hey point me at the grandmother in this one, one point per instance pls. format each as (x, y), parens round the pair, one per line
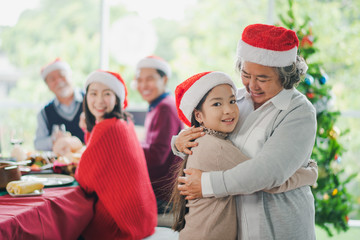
(276, 129)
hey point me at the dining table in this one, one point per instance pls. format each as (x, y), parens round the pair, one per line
(60, 212)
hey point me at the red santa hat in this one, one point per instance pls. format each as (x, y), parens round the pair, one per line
(189, 93)
(154, 62)
(268, 45)
(113, 80)
(57, 64)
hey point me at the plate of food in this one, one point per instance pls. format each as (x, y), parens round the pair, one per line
(34, 193)
(23, 188)
(50, 180)
(39, 162)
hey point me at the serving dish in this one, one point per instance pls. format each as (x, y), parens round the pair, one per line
(8, 173)
(50, 180)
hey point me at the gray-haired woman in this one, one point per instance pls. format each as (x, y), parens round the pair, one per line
(276, 129)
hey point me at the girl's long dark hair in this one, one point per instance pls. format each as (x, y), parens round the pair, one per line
(117, 112)
(178, 201)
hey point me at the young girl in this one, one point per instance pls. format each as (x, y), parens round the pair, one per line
(208, 100)
(113, 165)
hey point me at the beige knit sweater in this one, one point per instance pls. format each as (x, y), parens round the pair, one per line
(215, 218)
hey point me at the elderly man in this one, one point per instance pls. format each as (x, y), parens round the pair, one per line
(62, 112)
(161, 123)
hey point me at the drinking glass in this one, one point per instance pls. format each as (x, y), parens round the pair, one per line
(16, 137)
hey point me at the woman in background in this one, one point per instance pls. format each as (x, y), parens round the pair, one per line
(113, 165)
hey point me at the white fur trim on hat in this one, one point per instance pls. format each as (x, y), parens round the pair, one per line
(154, 62)
(195, 93)
(266, 57)
(109, 80)
(56, 65)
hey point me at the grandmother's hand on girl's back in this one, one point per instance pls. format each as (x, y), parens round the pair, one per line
(184, 143)
(191, 184)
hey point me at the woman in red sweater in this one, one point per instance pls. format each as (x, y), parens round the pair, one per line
(113, 165)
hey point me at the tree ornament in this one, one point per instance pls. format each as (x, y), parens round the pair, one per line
(323, 79)
(335, 166)
(326, 196)
(321, 104)
(307, 41)
(308, 79)
(322, 142)
(335, 191)
(337, 158)
(334, 133)
(310, 95)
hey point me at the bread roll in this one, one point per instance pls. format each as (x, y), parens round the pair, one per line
(23, 187)
(9, 186)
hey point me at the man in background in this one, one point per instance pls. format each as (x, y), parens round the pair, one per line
(62, 113)
(161, 122)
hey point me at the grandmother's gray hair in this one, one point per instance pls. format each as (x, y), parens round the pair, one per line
(290, 76)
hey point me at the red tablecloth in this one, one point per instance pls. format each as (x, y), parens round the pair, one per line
(60, 213)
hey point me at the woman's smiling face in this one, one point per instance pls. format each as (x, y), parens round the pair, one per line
(100, 100)
(262, 82)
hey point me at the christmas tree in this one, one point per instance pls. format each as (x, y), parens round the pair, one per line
(333, 203)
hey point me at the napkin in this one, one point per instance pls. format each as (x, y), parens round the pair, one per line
(23, 187)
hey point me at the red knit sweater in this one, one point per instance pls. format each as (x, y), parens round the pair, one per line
(114, 167)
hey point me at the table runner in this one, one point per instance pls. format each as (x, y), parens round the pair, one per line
(60, 213)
